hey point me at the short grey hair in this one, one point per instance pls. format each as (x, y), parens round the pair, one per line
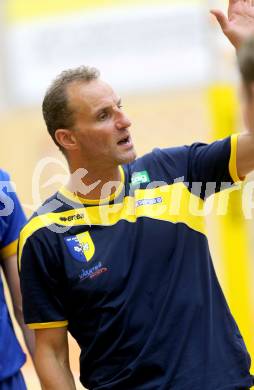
(55, 107)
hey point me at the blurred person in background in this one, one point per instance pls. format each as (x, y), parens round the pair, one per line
(246, 65)
(12, 358)
(131, 280)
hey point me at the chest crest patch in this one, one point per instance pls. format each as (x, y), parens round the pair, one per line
(81, 247)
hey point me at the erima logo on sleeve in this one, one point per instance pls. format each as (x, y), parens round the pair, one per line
(80, 246)
(72, 218)
(140, 177)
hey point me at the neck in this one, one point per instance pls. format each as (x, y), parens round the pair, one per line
(94, 183)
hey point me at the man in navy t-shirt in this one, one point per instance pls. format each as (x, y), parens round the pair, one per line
(121, 258)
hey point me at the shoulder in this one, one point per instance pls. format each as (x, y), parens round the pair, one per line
(4, 176)
(48, 208)
(49, 219)
(163, 164)
(177, 154)
(10, 205)
(39, 228)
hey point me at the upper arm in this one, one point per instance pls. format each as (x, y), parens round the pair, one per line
(12, 218)
(52, 359)
(213, 167)
(52, 341)
(203, 167)
(42, 284)
(213, 162)
(10, 269)
(245, 154)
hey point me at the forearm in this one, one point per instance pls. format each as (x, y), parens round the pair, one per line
(54, 373)
(11, 274)
(28, 334)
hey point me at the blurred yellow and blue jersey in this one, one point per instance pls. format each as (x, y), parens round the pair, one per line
(12, 219)
(131, 276)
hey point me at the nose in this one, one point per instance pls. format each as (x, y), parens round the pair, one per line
(122, 121)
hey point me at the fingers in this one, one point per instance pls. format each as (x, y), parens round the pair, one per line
(221, 18)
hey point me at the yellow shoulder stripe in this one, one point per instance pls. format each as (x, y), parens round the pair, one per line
(48, 325)
(174, 203)
(9, 250)
(232, 161)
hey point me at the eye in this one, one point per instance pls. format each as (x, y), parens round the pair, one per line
(103, 116)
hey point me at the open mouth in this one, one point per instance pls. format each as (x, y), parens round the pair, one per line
(124, 141)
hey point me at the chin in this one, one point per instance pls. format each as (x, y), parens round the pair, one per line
(128, 157)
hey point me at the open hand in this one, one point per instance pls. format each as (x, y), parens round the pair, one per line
(239, 24)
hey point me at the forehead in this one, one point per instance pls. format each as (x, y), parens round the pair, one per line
(90, 96)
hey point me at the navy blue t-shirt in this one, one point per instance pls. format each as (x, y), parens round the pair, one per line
(12, 219)
(132, 277)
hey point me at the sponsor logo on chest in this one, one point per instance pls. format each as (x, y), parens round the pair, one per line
(93, 272)
(148, 202)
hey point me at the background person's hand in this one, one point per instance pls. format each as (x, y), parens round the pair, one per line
(239, 24)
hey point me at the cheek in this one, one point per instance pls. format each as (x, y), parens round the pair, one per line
(104, 136)
(99, 141)
(103, 141)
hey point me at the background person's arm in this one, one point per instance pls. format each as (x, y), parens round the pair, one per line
(52, 359)
(9, 266)
(237, 27)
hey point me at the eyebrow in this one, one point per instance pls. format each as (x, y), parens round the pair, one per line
(119, 102)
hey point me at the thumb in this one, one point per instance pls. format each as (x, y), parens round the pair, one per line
(221, 18)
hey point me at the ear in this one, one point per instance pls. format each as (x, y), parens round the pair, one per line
(66, 138)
